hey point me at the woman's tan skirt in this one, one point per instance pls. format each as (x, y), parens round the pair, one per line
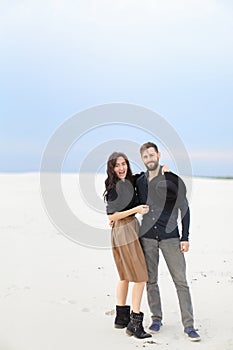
(127, 250)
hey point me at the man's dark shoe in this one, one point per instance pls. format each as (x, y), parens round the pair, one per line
(192, 334)
(135, 326)
(155, 326)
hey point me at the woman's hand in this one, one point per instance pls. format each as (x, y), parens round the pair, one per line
(165, 169)
(142, 209)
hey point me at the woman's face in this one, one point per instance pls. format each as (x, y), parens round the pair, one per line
(121, 168)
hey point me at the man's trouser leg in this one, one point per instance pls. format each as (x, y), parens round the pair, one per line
(151, 252)
(176, 264)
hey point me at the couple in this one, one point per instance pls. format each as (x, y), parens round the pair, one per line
(158, 196)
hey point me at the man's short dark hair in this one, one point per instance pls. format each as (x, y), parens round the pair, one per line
(148, 145)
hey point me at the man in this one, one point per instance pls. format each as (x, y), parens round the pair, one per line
(166, 197)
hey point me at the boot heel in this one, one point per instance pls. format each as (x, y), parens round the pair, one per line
(129, 333)
(119, 326)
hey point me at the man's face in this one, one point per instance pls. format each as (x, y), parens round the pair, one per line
(150, 158)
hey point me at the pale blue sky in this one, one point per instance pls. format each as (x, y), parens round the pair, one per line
(60, 57)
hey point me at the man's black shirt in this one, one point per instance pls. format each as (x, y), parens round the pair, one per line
(165, 195)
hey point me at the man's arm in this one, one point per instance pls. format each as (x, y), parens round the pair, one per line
(185, 219)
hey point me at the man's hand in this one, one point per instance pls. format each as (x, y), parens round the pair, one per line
(184, 247)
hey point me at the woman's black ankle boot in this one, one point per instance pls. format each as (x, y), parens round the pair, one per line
(135, 326)
(122, 316)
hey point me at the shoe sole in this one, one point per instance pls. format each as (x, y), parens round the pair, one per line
(129, 333)
(153, 332)
(193, 339)
(118, 326)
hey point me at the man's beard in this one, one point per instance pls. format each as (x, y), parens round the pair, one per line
(151, 167)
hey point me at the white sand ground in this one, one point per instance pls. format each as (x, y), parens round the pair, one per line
(57, 295)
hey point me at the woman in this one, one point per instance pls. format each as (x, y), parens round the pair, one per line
(122, 206)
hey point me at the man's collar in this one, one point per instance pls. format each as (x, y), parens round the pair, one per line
(159, 173)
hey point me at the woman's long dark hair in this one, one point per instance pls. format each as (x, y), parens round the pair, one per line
(112, 178)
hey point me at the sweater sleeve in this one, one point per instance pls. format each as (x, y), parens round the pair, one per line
(185, 217)
(111, 198)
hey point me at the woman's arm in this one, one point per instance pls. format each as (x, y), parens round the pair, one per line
(118, 215)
